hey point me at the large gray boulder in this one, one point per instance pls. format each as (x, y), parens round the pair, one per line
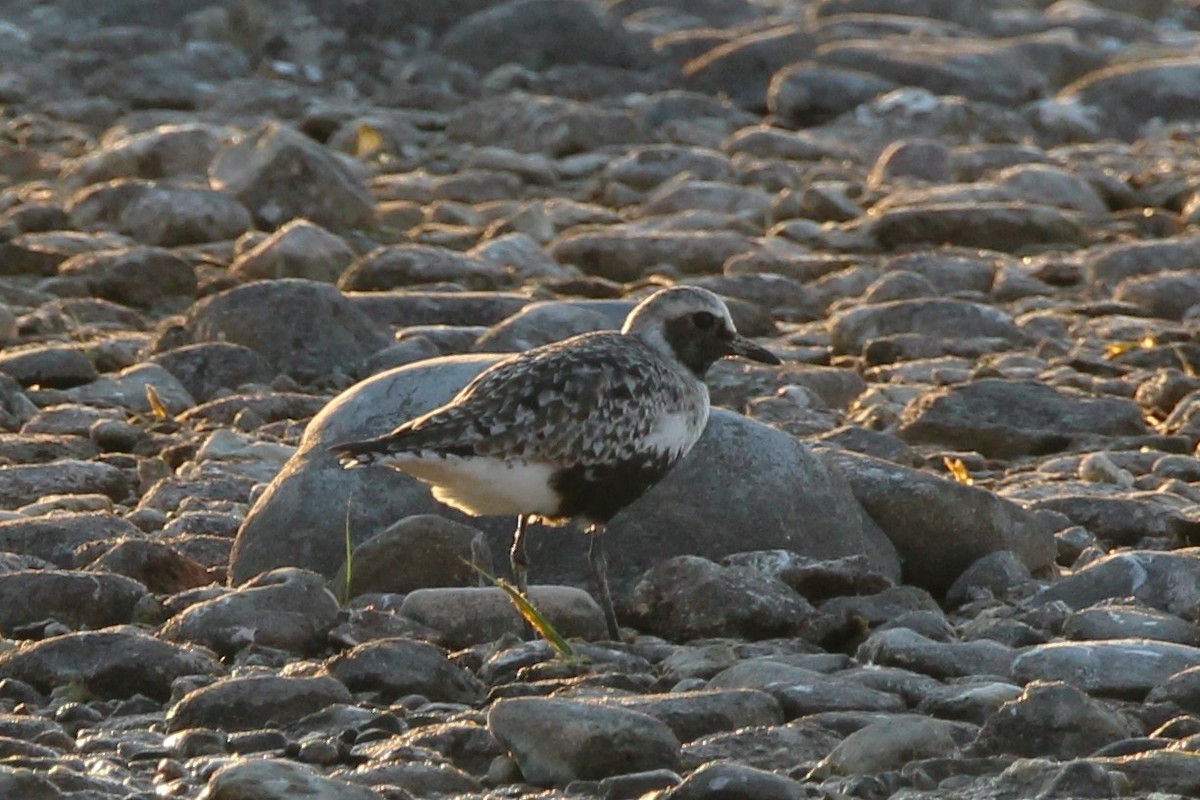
(941, 527)
(745, 486)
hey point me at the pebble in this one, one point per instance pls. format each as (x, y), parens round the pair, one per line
(1113, 667)
(288, 609)
(557, 741)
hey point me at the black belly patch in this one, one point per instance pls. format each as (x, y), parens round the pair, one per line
(597, 492)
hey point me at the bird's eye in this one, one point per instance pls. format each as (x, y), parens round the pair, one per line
(703, 320)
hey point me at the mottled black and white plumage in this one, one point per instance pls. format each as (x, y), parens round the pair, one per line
(578, 428)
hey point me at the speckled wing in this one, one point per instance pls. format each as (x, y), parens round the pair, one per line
(592, 399)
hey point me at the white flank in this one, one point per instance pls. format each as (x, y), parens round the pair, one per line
(675, 432)
(484, 486)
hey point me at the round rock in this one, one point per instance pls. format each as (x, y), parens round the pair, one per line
(558, 741)
(289, 609)
(304, 328)
(398, 667)
(417, 552)
(254, 701)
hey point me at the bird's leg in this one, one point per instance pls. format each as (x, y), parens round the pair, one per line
(520, 567)
(600, 573)
(516, 555)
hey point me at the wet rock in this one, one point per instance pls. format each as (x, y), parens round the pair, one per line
(629, 254)
(904, 648)
(410, 308)
(22, 484)
(1126, 95)
(55, 538)
(801, 692)
(1005, 418)
(815, 579)
(1009, 227)
(246, 703)
(1043, 183)
(742, 68)
(1109, 264)
(939, 319)
(1008, 72)
(691, 715)
(313, 331)
(1051, 719)
(996, 574)
(74, 599)
(972, 702)
(694, 498)
(683, 194)
(21, 448)
(48, 366)
(288, 609)
(397, 266)
(41, 253)
(1118, 668)
(687, 597)
(1120, 520)
(523, 257)
(807, 93)
(25, 783)
(735, 782)
(542, 323)
(923, 159)
(1182, 689)
(889, 744)
(550, 126)
(1167, 295)
(142, 277)
(644, 168)
(558, 741)
(299, 249)
(280, 174)
(169, 151)
(537, 34)
(159, 214)
(952, 270)
(394, 668)
(777, 747)
(118, 662)
(423, 779)
(416, 552)
(209, 368)
(1166, 581)
(160, 568)
(941, 527)
(1109, 620)
(260, 779)
(127, 389)
(1162, 771)
(466, 616)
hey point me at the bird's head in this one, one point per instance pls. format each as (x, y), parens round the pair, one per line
(693, 326)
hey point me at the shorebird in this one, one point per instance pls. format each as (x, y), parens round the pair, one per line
(577, 428)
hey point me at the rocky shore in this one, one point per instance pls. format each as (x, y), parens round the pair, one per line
(949, 549)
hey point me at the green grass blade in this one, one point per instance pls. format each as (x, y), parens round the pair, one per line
(349, 582)
(529, 611)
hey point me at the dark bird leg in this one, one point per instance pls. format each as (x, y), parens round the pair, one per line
(600, 573)
(520, 566)
(516, 555)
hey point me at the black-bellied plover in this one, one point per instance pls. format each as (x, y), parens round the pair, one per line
(577, 428)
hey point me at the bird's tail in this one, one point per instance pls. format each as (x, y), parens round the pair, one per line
(358, 454)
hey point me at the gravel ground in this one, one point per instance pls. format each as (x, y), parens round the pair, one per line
(949, 549)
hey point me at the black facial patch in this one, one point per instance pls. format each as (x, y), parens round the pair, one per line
(598, 492)
(697, 348)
